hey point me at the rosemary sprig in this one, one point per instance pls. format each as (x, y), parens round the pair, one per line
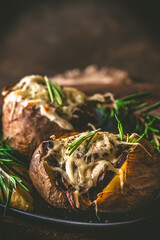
(49, 89)
(72, 147)
(55, 93)
(120, 128)
(155, 106)
(8, 181)
(129, 111)
(134, 96)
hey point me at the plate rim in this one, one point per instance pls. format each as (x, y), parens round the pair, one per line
(82, 224)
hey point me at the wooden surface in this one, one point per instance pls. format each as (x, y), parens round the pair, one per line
(19, 232)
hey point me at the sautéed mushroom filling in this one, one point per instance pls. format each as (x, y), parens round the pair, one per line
(83, 171)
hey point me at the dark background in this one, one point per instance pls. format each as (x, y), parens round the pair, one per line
(49, 37)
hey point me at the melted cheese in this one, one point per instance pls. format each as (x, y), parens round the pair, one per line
(82, 170)
(76, 198)
(32, 90)
(53, 116)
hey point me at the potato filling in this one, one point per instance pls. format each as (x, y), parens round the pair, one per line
(32, 90)
(82, 170)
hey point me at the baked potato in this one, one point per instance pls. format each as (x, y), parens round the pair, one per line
(81, 170)
(29, 115)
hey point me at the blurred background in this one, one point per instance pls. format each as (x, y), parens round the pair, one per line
(49, 37)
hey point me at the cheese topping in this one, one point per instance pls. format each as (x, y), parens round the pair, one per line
(83, 170)
(32, 90)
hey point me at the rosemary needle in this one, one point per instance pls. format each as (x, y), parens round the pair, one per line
(120, 128)
(134, 96)
(155, 106)
(55, 93)
(129, 113)
(49, 89)
(80, 140)
(8, 181)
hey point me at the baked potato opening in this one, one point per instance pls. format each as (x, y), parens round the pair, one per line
(117, 178)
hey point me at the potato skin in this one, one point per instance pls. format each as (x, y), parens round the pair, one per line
(44, 183)
(28, 128)
(141, 182)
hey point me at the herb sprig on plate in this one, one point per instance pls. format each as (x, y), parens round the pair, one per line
(129, 138)
(9, 177)
(129, 111)
(55, 93)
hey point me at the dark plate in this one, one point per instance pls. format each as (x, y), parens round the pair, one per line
(53, 217)
(50, 216)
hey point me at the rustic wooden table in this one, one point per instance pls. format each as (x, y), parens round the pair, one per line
(50, 37)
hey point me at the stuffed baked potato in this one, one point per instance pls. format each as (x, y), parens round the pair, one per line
(76, 172)
(29, 115)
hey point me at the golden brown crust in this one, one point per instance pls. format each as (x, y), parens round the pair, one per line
(28, 128)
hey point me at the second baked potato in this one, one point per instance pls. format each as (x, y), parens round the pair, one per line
(31, 116)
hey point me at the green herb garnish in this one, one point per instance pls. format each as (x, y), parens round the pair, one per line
(80, 140)
(55, 93)
(129, 112)
(120, 128)
(155, 106)
(8, 181)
